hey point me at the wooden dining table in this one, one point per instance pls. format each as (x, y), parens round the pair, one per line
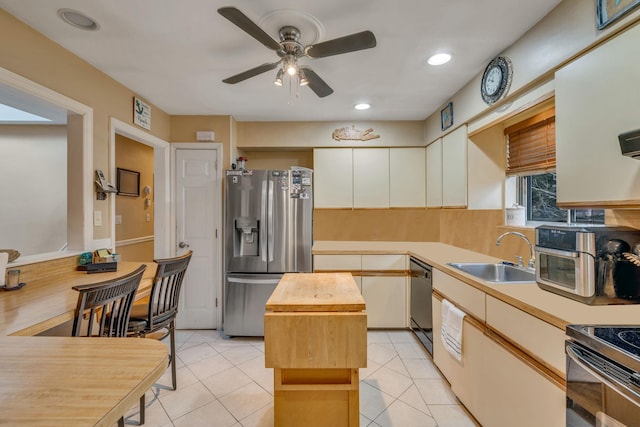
(64, 381)
(69, 381)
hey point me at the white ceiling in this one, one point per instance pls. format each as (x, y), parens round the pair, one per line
(176, 53)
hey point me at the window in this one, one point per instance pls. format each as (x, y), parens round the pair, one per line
(531, 157)
(538, 194)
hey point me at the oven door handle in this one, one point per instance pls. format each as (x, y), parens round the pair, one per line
(566, 254)
(601, 376)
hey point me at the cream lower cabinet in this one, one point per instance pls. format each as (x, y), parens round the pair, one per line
(502, 383)
(386, 299)
(383, 281)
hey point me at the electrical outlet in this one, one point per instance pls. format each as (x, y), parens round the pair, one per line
(118, 219)
(97, 218)
(148, 217)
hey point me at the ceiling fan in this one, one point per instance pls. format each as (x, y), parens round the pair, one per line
(289, 49)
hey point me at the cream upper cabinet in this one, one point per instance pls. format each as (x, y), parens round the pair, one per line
(370, 178)
(596, 100)
(333, 178)
(407, 177)
(434, 174)
(454, 168)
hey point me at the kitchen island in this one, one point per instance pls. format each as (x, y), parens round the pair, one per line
(315, 337)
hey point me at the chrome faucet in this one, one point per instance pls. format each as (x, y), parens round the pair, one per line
(516, 233)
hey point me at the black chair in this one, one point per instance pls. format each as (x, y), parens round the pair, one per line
(105, 308)
(160, 312)
(106, 305)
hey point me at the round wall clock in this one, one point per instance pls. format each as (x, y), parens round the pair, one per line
(496, 79)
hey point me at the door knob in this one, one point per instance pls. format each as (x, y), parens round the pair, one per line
(183, 245)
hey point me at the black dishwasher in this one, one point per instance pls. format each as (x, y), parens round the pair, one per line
(421, 317)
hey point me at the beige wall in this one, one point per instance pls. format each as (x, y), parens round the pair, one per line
(137, 157)
(184, 128)
(32, 55)
(256, 135)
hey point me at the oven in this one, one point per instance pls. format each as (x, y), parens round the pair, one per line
(603, 376)
(588, 263)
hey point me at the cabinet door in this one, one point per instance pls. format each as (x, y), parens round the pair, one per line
(597, 99)
(370, 178)
(386, 299)
(333, 178)
(407, 177)
(454, 168)
(515, 394)
(434, 174)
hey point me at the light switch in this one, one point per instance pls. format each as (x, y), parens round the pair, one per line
(97, 218)
(118, 219)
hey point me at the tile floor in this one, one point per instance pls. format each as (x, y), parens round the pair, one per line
(222, 382)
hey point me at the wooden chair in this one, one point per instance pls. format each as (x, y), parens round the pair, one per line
(160, 312)
(105, 308)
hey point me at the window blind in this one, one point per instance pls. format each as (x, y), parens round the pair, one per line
(531, 144)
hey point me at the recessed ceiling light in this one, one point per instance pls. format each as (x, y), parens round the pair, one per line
(362, 106)
(439, 58)
(78, 19)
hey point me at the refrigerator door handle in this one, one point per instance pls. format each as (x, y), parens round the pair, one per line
(263, 225)
(254, 281)
(270, 226)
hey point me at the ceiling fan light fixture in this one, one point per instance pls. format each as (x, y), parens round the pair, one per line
(278, 80)
(362, 106)
(302, 78)
(439, 58)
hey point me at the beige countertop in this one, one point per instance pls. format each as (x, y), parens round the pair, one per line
(554, 309)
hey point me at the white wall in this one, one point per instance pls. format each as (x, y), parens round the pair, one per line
(558, 37)
(33, 215)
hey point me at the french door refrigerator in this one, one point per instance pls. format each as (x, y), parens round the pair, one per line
(268, 232)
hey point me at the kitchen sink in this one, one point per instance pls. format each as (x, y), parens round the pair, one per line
(496, 273)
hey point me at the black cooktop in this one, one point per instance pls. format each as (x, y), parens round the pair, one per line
(624, 339)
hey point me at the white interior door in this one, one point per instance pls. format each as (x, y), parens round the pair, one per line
(198, 212)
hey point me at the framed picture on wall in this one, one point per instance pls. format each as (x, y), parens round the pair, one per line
(446, 116)
(608, 11)
(128, 182)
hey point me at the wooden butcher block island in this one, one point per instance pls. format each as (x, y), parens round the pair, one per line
(315, 338)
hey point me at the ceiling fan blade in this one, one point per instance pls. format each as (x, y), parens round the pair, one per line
(351, 43)
(248, 26)
(251, 73)
(316, 84)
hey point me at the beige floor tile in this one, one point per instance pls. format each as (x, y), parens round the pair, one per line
(381, 353)
(210, 366)
(261, 418)
(210, 415)
(226, 381)
(373, 401)
(411, 350)
(378, 337)
(400, 336)
(372, 366)
(390, 381)
(401, 414)
(435, 392)
(242, 354)
(184, 400)
(421, 369)
(196, 352)
(397, 365)
(413, 398)
(246, 400)
(451, 416)
(184, 378)
(206, 335)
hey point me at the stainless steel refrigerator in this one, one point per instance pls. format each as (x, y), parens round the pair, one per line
(268, 232)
